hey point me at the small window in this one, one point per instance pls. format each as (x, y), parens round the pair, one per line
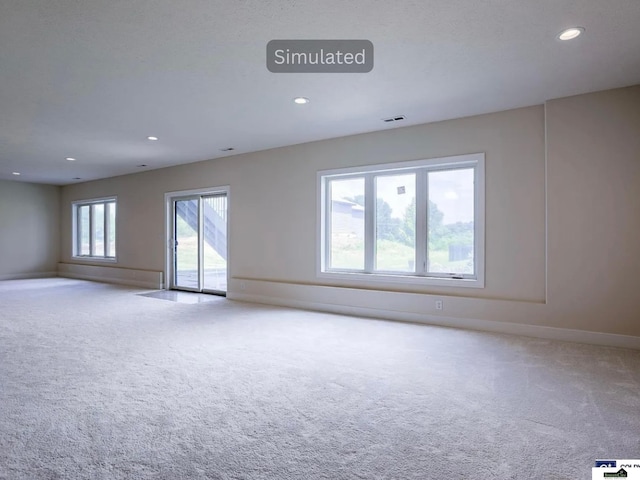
(409, 222)
(94, 228)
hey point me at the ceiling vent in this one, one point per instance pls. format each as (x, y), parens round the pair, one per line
(393, 119)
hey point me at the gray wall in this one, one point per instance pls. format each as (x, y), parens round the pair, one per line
(562, 223)
(29, 229)
(594, 210)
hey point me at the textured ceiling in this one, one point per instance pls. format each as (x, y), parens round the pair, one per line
(91, 79)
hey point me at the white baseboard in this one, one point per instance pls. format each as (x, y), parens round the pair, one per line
(537, 331)
(22, 276)
(122, 276)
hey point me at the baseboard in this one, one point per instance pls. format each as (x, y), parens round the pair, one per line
(23, 276)
(537, 331)
(122, 276)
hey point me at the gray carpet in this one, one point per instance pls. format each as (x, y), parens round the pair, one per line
(97, 382)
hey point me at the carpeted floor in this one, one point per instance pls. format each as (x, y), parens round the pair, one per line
(98, 382)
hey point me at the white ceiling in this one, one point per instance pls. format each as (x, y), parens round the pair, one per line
(91, 79)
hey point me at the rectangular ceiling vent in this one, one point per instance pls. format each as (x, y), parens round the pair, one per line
(393, 119)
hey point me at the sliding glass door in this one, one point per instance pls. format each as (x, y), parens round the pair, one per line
(200, 243)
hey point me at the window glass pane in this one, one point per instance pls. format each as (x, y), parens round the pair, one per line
(83, 230)
(346, 248)
(450, 222)
(395, 223)
(111, 225)
(97, 211)
(187, 240)
(214, 261)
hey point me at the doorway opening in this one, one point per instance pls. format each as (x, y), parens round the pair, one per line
(197, 239)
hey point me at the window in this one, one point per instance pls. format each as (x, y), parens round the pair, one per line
(407, 222)
(94, 228)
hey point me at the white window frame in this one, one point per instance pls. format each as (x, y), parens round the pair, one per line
(421, 277)
(75, 240)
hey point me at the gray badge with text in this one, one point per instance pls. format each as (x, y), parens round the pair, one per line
(320, 56)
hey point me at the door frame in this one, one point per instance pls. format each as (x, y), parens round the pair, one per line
(169, 198)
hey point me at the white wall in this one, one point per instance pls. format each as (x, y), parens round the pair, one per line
(273, 242)
(29, 229)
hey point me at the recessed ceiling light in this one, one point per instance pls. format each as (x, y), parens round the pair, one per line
(571, 33)
(301, 100)
(71, 159)
(152, 138)
(16, 173)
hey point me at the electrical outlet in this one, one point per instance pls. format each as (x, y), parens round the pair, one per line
(439, 305)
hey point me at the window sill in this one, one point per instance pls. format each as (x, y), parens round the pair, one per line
(89, 259)
(376, 278)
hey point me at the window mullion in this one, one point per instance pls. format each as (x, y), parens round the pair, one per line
(92, 232)
(327, 223)
(109, 228)
(369, 223)
(478, 220)
(200, 243)
(114, 206)
(105, 229)
(422, 212)
(78, 230)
